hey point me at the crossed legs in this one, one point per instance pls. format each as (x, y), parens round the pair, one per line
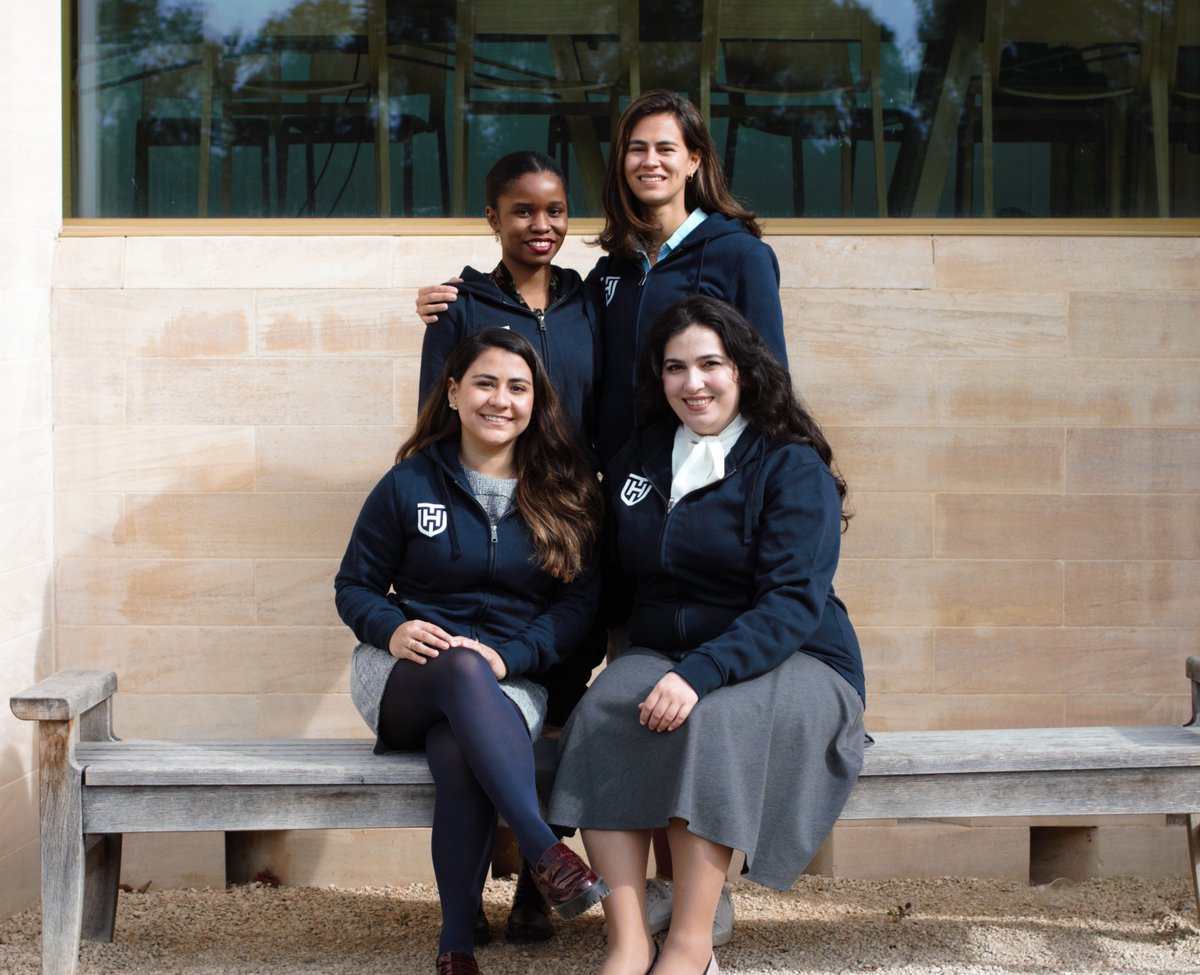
(482, 761)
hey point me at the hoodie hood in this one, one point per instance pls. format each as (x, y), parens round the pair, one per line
(720, 258)
(565, 336)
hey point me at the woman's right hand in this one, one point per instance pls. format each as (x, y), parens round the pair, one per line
(417, 640)
(434, 299)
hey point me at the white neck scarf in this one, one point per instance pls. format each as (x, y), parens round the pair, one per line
(698, 460)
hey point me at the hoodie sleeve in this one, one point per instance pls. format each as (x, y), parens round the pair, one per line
(371, 562)
(754, 289)
(557, 631)
(800, 525)
(441, 338)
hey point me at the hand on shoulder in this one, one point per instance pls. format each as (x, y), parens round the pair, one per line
(433, 299)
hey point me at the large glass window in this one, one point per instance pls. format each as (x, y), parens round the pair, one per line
(820, 108)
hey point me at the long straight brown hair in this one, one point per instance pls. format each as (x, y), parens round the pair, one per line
(557, 492)
(626, 231)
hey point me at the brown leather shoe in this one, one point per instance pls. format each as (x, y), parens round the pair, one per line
(569, 884)
(456, 963)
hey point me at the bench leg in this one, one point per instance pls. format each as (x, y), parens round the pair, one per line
(63, 854)
(103, 873)
(1193, 831)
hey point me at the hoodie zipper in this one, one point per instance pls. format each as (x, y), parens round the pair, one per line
(680, 629)
(493, 544)
(540, 315)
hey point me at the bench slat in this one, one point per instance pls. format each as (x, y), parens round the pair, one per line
(1031, 749)
(135, 809)
(142, 809)
(351, 761)
(316, 762)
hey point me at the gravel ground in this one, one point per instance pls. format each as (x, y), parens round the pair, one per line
(975, 927)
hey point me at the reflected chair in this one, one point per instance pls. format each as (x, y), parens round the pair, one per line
(331, 105)
(795, 69)
(549, 58)
(192, 83)
(1070, 72)
(418, 74)
(327, 78)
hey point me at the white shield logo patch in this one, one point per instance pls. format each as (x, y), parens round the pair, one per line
(431, 518)
(634, 489)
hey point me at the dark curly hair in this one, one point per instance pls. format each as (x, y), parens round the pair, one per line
(766, 397)
(557, 491)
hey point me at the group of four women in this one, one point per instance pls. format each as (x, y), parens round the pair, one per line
(488, 563)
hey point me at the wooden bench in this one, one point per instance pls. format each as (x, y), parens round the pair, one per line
(95, 788)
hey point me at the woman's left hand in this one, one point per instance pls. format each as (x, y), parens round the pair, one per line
(495, 661)
(668, 705)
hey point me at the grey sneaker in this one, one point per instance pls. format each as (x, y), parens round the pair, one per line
(659, 895)
(659, 902)
(723, 922)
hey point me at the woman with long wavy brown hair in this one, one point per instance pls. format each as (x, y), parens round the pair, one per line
(469, 569)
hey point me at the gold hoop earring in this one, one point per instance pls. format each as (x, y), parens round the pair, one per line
(691, 176)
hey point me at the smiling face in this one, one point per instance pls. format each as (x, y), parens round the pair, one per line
(700, 381)
(530, 216)
(658, 163)
(495, 403)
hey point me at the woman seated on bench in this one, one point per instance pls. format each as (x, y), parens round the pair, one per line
(484, 529)
(736, 718)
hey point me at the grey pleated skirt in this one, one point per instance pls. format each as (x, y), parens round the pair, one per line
(764, 766)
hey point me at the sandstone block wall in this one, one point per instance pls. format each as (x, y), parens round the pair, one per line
(1018, 419)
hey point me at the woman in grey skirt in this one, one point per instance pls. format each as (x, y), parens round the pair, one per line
(735, 719)
(470, 566)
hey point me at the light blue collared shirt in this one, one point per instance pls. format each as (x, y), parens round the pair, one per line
(694, 219)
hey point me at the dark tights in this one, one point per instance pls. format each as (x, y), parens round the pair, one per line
(482, 761)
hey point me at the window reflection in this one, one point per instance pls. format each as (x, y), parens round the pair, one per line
(824, 108)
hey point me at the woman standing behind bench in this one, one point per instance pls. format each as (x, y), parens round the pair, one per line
(527, 211)
(736, 717)
(471, 564)
(671, 229)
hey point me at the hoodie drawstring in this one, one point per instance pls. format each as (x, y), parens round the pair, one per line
(455, 548)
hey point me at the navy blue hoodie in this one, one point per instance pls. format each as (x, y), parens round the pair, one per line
(565, 337)
(719, 258)
(739, 574)
(422, 532)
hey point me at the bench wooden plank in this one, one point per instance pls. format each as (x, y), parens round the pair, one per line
(167, 763)
(128, 809)
(1087, 792)
(140, 809)
(1031, 749)
(351, 761)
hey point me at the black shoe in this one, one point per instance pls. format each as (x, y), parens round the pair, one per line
(529, 920)
(482, 931)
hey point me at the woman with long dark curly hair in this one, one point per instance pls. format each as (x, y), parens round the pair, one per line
(470, 567)
(735, 719)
